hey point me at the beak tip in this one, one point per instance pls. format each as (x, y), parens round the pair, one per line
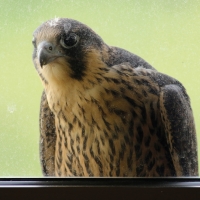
(42, 62)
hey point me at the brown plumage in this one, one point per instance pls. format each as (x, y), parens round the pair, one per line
(107, 112)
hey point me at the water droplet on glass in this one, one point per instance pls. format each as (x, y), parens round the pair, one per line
(11, 108)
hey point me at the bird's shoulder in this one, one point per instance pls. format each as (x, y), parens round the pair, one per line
(151, 73)
(117, 55)
(151, 77)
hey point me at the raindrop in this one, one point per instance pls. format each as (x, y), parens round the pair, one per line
(11, 108)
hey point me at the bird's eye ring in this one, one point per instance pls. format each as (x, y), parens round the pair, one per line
(69, 41)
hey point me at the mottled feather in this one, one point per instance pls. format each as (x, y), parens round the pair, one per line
(107, 112)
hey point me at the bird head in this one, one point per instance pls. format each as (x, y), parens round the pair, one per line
(63, 49)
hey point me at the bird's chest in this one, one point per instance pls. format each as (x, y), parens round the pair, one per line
(90, 142)
(100, 133)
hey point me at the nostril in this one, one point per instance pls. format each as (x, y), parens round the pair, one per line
(48, 47)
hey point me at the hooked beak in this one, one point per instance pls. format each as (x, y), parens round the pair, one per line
(47, 52)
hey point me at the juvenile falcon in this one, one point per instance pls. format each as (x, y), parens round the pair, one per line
(107, 112)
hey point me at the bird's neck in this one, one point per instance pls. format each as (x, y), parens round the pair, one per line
(70, 93)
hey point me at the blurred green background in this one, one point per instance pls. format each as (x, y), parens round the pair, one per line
(166, 33)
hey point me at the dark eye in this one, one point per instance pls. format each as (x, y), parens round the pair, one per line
(69, 41)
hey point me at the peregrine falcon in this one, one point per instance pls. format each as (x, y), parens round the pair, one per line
(107, 112)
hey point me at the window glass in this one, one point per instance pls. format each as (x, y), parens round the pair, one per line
(163, 32)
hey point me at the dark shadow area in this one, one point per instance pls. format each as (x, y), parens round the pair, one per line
(100, 188)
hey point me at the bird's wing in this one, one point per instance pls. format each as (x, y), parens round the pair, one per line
(180, 129)
(47, 138)
(178, 121)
